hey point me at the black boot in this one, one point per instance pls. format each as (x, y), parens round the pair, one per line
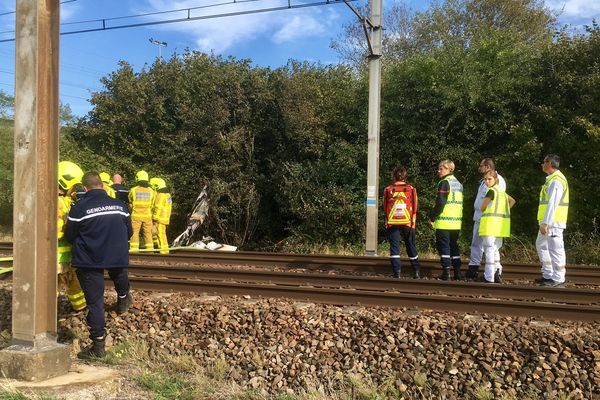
(124, 303)
(497, 277)
(473, 272)
(457, 274)
(96, 350)
(415, 273)
(445, 275)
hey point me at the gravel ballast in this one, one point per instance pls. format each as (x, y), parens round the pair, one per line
(278, 346)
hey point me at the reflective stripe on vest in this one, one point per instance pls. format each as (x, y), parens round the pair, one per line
(451, 216)
(495, 220)
(562, 210)
(400, 202)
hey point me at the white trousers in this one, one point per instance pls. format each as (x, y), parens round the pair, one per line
(476, 246)
(551, 251)
(491, 249)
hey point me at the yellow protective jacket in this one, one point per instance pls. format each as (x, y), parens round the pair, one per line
(110, 191)
(141, 201)
(495, 220)
(161, 212)
(562, 209)
(451, 216)
(64, 247)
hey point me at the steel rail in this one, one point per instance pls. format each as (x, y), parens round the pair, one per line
(375, 298)
(423, 287)
(578, 274)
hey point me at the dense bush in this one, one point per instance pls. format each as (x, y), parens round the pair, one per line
(284, 150)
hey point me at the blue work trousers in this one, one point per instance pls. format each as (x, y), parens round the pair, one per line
(394, 234)
(92, 283)
(446, 241)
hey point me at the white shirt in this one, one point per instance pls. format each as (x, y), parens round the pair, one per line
(555, 193)
(481, 195)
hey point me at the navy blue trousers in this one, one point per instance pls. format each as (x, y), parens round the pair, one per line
(446, 241)
(406, 233)
(92, 283)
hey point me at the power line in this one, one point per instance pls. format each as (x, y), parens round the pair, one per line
(12, 12)
(188, 18)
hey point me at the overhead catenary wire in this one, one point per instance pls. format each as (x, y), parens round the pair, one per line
(12, 12)
(189, 17)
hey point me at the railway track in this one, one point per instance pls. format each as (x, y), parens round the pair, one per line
(165, 273)
(577, 274)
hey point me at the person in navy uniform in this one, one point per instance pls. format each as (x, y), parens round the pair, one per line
(99, 228)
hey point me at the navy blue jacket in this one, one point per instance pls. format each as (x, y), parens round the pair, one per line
(99, 227)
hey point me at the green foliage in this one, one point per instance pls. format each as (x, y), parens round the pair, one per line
(7, 104)
(6, 172)
(284, 150)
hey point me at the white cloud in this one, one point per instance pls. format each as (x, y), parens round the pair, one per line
(587, 9)
(219, 34)
(298, 27)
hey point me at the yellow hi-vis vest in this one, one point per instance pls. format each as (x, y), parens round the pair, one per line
(141, 200)
(109, 191)
(162, 208)
(451, 216)
(64, 247)
(495, 220)
(563, 206)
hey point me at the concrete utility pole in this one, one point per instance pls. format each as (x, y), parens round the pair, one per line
(159, 44)
(34, 353)
(374, 126)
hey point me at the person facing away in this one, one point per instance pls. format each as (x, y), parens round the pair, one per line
(400, 205)
(106, 184)
(69, 174)
(446, 219)
(494, 225)
(141, 201)
(99, 227)
(161, 214)
(121, 190)
(486, 165)
(552, 214)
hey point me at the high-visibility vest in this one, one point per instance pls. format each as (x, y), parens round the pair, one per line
(400, 204)
(451, 216)
(162, 208)
(563, 206)
(141, 200)
(64, 247)
(495, 220)
(109, 191)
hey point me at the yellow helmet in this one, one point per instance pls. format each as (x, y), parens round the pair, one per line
(105, 177)
(141, 176)
(68, 174)
(158, 183)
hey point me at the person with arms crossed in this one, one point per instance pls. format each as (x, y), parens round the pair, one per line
(446, 219)
(552, 218)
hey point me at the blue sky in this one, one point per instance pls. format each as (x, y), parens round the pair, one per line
(268, 39)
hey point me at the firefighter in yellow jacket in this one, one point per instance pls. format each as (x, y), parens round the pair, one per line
(141, 201)
(68, 175)
(106, 184)
(161, 214)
